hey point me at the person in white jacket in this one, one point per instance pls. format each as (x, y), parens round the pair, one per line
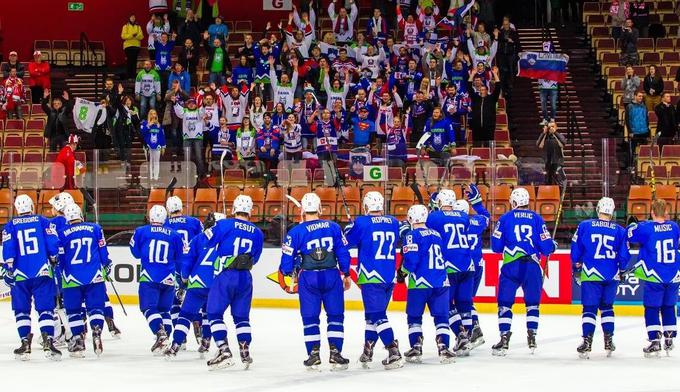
(479, 52)
(308, 19)
(154, 28)
(335, 91)
(284, 90)
(343, 24)
(193, 123)
(372, 60)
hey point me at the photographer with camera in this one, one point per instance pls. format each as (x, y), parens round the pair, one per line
(553, 143)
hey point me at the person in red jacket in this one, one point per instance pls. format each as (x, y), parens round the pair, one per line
(40, 76)
(67, 159)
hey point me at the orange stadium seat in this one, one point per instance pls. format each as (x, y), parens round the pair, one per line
(205, 202)
(639, 201)
(547, 201)
(257, 194)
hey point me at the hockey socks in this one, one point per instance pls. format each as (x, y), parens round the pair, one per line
(23, 321)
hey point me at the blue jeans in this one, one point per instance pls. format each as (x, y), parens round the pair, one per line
(553, 103)
(146, 103)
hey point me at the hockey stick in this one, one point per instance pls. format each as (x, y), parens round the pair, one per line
(416, 191)
(339, 186)
(292, 287)
(651, 167)
(419, 147)
(557, 222)
(171, 187)
(113, 286)
(90, 200)
(224, 202)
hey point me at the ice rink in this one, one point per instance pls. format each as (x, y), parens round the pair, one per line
(278, 352)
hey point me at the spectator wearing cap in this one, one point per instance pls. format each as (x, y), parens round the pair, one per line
(65, 164)
(132, 37)
(39, 76)
(13, 63)
(363, 126)
(57, 112)
(218, 30)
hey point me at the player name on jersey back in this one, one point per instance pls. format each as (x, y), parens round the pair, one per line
(318, 225)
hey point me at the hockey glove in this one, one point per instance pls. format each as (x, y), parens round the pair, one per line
(473, 194)
(7, 276)
(404, 228)
(401, 276)
(576, 272)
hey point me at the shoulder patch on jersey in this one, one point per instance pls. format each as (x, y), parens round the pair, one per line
(132, 241)
(497, 234)
(102, 243)
(411, 247)
(209, 233)
(6, 236)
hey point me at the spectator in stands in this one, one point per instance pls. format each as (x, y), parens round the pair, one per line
(637, 121)
(67, 159)
(188, 57)
(109, 94)
(57, 112)
(245, 143)
(126, 125)
(189, 28)
(14, 95)
(420, 111)
(220, 141)
(132, 37)
(363, 127)
(483, 109)
(480, 36)
(377, 27)
(163, 62)
(506, 58)
(343, 23)
(628, 42)
(172, 123)
(396, 143)
(13, 63)
(619, 11)
(178, 73)
(154, 28)
(193, 119)
(154, 142)
(630, 85)
(219, 31)
(147, 88)
(247, 50)
(667, 120)
(268, 143)
(653, 86)
(553, 143)
(639, 12)
(555, 14)
(217, 60)
(39, 72)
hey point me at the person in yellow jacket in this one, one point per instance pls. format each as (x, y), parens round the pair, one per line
(132, 36)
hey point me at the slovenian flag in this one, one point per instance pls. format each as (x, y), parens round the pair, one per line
(447, 23)
(543, 65)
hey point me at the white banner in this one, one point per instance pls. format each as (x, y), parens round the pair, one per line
(375, 173)
(277, 5)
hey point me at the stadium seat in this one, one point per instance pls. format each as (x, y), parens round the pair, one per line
(674, 175)
(532, 195)
(460, 175)
(226, 198)
(670, 59)
(234, 177)
(353, 199)
(296, 192)
(273, 202)
(590, 8)
(6, 205)
(14, 125)
(645, 45)
(156, 196)
(328, 198)
(257, 194)
(32, 193)
(499, 201)
(187, 197)
(60, 52)
(665, 7)
(506, 175)
(205, 202)
(639, 201)
(547, 201)
(668, 193)
(660, 174)
(644, 157)
(401, 200)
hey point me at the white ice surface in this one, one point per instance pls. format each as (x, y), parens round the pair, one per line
(278, 351)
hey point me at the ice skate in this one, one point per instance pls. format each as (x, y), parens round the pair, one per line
(531, 340)
(204, 347)
(244, 351)
(609, 346)
(76, 347)
(23, 353)
(161, 341)
(198, 334)
(367, 355)
(500, 349)
(653, 350)
(668, 343)
(51, 352)
(462, 347)
(336, 360)
(476, 336)
(97, 341)
(314, 360)
(394, 359)
(445, 355)
(60, 339)
(586, 347)
(415, 354)
(223, 358)
(113, 330)
(171, 352)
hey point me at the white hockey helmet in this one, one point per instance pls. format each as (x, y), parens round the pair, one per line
(606, 206)
(519, 198)
(61, 200)
(373, 201)
(417, 214)
(73, 212)
(242, 204)
(461, 205)
(218, 216)
(311, 203)
(158, 214)
(446, 198)
(23, 204)
(174, 204)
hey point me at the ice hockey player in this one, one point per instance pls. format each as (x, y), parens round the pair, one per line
(425, 267)
(478, 224)
(84, 262)
(196, 272)
(522, 237)
(188, 227)
(599, 255)
(375, 235)
(239, 247)
(159, 248)
(658, 267)
(29, 251)
(322, 250)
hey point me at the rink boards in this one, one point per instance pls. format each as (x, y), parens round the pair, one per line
(560, 293)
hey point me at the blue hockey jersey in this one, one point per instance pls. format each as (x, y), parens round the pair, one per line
(187, 226)
(27, 243)
(658, 258)
(82, 254)
(478, 224)
(375, 237)
(424, 259)
(453, 228)
(198, 264)
(309, 236)
(58, 223)
(602, 249)
(521, 233)
(443, 134)
(233, 237)
(160, 250)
